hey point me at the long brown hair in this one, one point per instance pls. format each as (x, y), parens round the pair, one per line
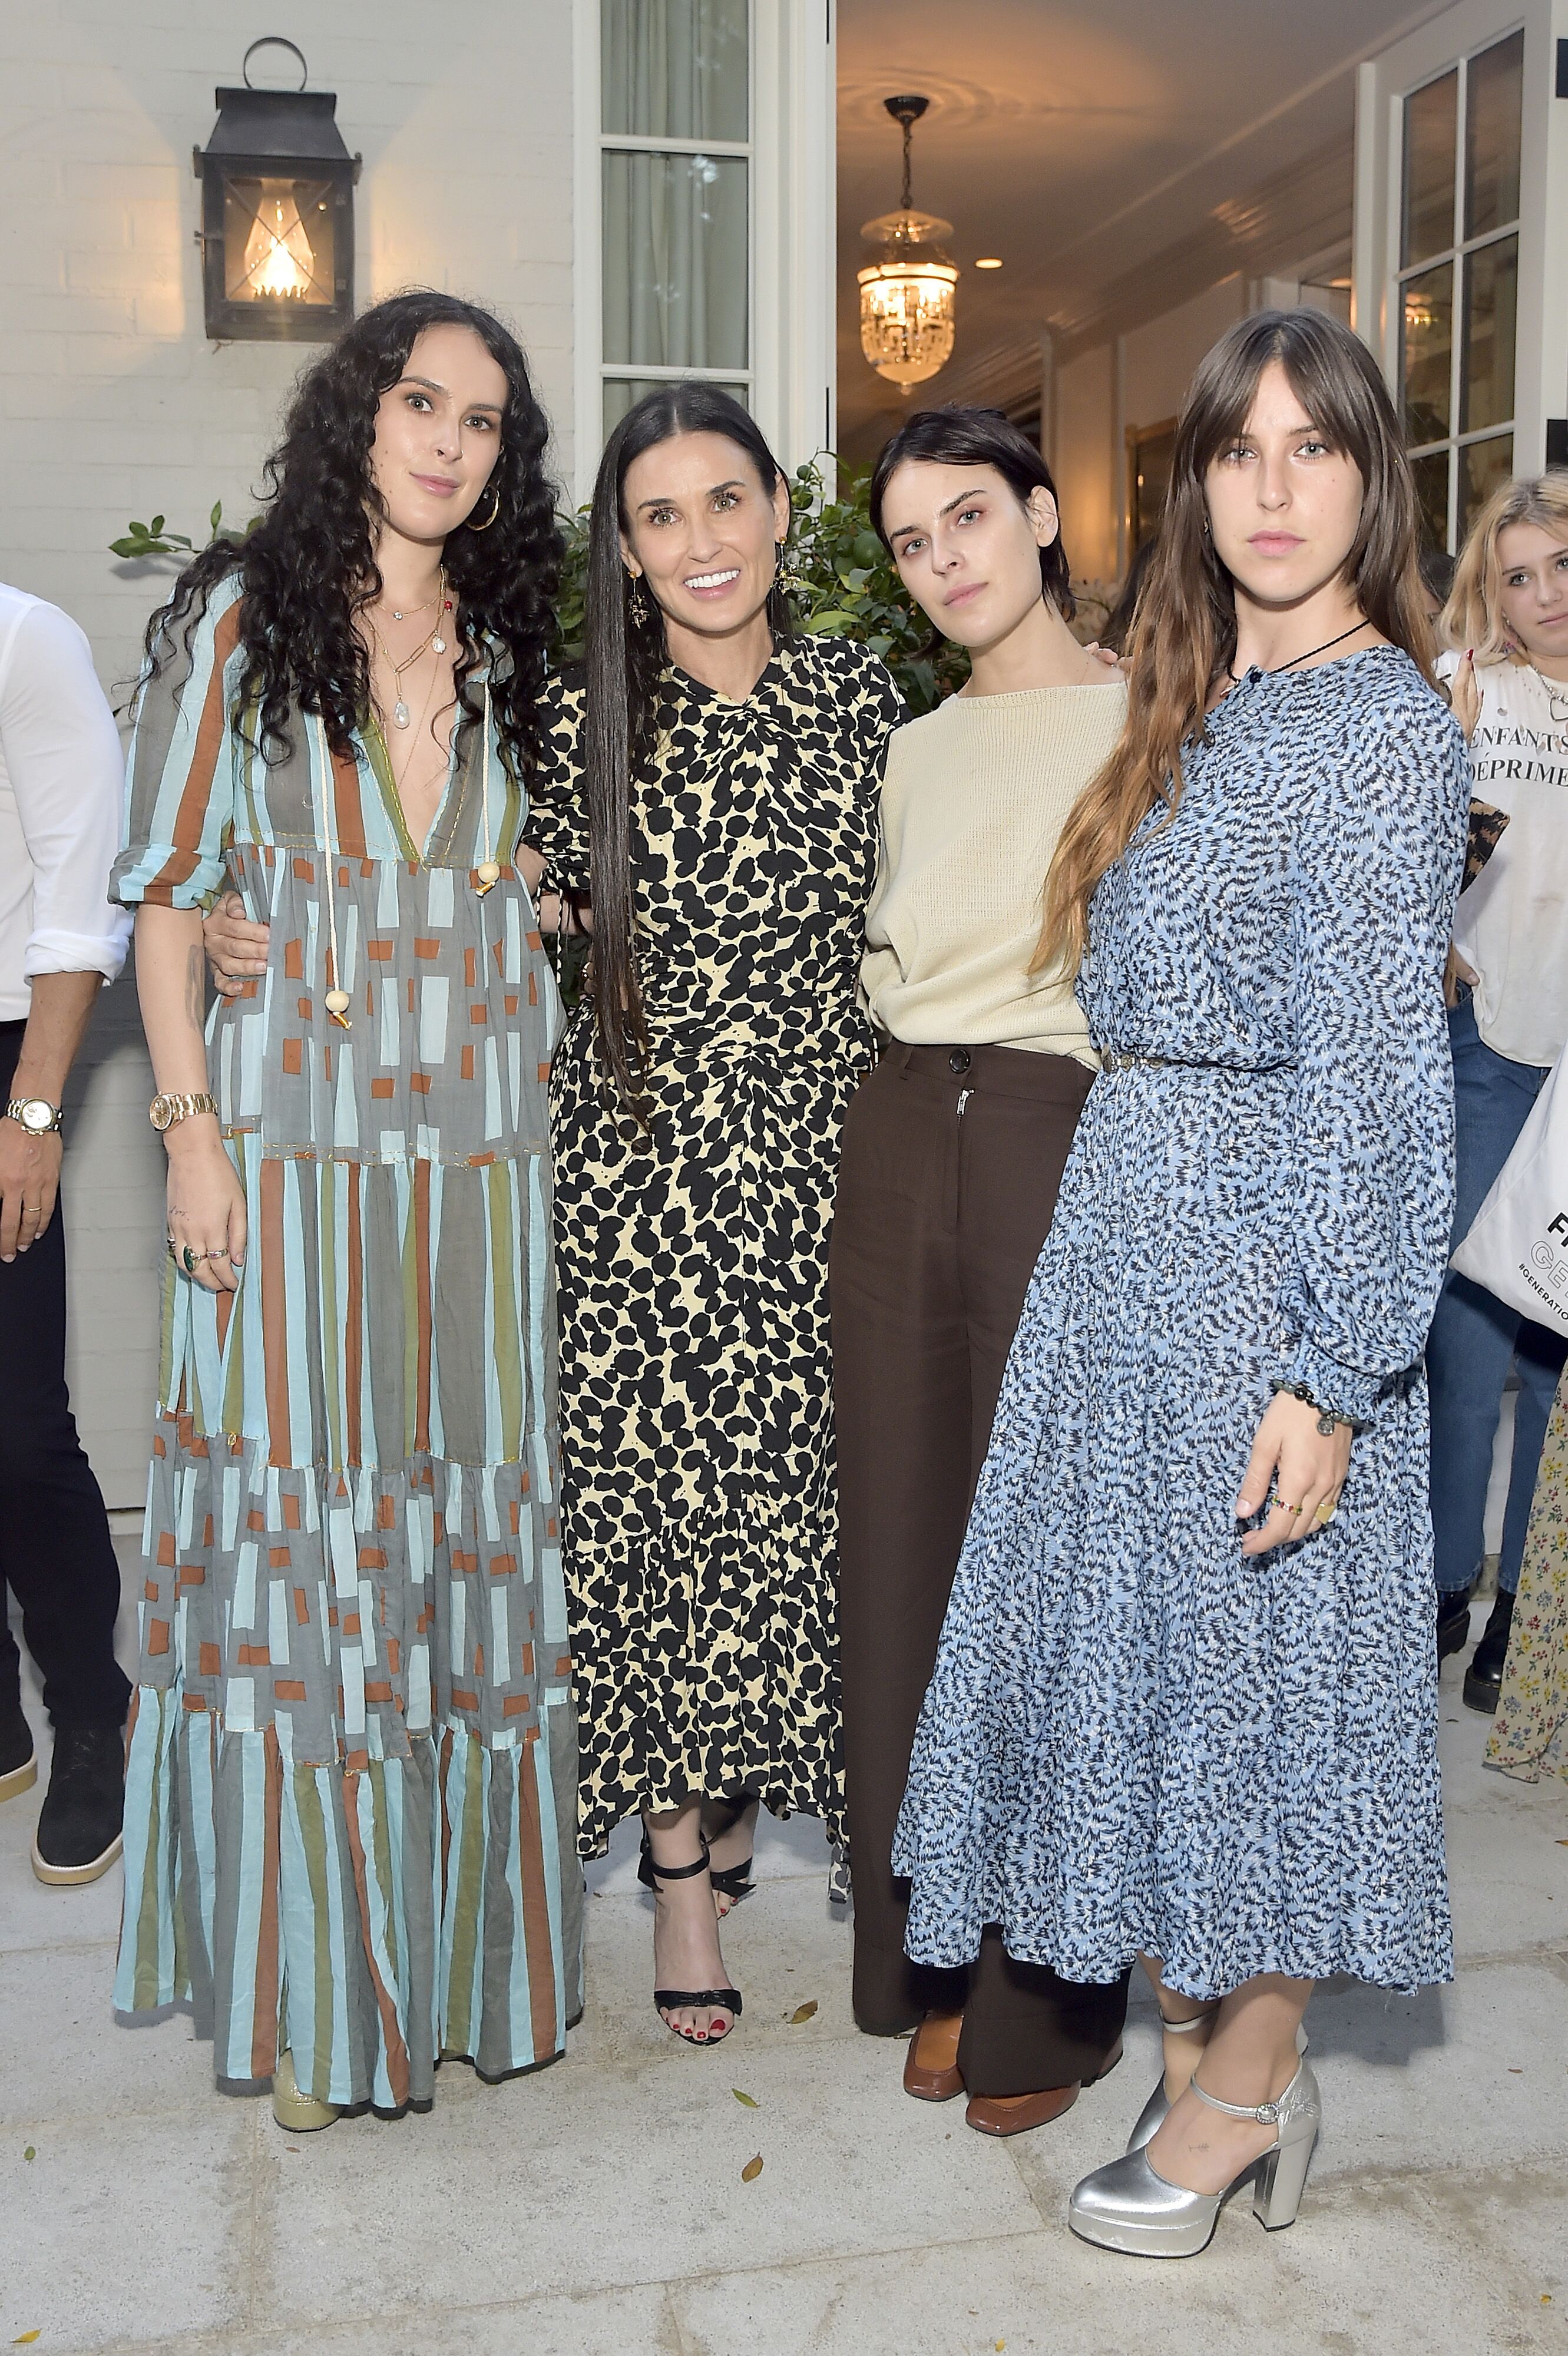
(1184, 637)
(626, 660)
(1474, 616)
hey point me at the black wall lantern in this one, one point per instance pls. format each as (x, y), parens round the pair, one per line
(277, 213)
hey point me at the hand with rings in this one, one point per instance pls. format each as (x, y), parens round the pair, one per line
(1307, 1468)
(206, 1212)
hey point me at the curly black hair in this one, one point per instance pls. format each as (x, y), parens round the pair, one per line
(308, 565)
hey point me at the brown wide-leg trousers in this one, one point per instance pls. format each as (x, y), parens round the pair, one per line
(951, 1162)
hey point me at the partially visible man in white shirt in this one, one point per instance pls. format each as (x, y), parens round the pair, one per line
(60, 796)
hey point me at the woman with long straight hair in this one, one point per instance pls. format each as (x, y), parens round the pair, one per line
(1184, 1709)
(953, 1150)
(709, 785)
(352, 1782)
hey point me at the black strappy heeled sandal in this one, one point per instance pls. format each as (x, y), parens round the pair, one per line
(728, 1999)
(733, 1880)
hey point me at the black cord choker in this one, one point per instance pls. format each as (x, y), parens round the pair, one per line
(1295, 659)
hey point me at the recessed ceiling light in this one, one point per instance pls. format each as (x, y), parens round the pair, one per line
(989, 261)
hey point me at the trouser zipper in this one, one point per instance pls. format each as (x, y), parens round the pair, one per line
(963, 1096)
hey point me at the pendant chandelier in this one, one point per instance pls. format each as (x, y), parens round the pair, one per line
(906, 294)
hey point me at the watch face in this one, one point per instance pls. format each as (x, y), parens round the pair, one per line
(160, 1112)
(37, 1116)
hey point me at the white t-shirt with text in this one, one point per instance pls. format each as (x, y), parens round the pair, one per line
(1512, 925)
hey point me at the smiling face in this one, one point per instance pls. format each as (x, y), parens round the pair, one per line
(1284, 507)
(701, 530)
(967, 548)
(1532, 589)
(439, 434)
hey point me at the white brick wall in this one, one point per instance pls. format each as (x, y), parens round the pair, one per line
(113, 404)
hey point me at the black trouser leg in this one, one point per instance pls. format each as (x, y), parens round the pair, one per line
(56, 1554)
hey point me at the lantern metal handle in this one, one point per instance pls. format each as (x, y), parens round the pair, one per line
(274, 41)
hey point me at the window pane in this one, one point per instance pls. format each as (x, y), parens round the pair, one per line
(1482, 466)
(1432, 492)
(1492, 103)
(1428, 353)
(675, 260)
(674, 69)
(1492, 295)
(622, 393)
(1431, 138)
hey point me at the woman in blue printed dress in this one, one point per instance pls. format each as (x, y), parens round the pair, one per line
(1184, 1705)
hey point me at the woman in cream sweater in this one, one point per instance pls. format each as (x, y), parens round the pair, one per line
(953, 1152)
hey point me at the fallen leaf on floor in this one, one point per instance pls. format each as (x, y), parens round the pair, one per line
(803, 2012)
(28, 2153)
(24, 2339)
(1513, 2073)
(752, 2170)
(749, 2100)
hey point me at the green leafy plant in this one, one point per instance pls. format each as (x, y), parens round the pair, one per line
(154, 538)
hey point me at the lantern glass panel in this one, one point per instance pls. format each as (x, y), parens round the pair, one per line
(278, 242)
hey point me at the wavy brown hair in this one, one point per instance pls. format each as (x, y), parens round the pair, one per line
(1183, 634)
(308, 567)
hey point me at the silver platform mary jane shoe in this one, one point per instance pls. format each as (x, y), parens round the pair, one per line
(1156, 2110)
(1127, 2206)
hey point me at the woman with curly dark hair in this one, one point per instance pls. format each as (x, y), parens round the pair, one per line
(351, 1785)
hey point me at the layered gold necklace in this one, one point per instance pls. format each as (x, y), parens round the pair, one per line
(432, 643)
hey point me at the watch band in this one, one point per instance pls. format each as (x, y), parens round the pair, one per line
(26, 1112)
(165, 1110)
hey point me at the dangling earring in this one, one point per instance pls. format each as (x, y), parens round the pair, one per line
(1206, 532)
(494, 511)
(784, 580)
(639, 606)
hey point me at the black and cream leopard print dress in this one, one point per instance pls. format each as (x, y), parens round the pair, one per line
(696, 1402)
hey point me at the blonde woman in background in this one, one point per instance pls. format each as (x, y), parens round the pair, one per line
(1507, 625)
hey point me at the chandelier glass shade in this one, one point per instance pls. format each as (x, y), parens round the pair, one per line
(906, 294)
(907, 298)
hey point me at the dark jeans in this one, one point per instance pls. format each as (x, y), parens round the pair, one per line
(952, 1160)
(56, 1554)
(1474, 1338)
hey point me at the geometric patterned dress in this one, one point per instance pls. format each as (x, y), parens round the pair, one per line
(351, 1792)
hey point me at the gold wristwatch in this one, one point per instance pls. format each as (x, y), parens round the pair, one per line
(164, 1112)
(35, 1115)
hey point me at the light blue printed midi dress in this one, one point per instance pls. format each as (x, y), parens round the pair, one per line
(1136, 1739)
(350, 1806)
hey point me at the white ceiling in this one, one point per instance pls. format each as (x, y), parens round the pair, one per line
(1116, 156)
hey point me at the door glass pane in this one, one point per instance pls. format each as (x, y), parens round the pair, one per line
(675, 260)
(1491, 297)
(1492, 106)
(1428, 353)
(1431, 139)
(1432, 492)
(1482, 466)
(622, 393)
(674, 69)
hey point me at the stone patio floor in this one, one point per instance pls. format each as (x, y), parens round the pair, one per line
(599, 2209)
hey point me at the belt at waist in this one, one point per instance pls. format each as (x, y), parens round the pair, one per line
(1032, 1073)
(1129, 1059)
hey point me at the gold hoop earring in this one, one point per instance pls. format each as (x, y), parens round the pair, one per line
(494, 511)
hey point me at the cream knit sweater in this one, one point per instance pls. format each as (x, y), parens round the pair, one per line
(975, 798)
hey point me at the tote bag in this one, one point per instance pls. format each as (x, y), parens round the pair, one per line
(1518, 1243)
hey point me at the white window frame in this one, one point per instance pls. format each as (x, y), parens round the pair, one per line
(1541, 352)
(792, 228)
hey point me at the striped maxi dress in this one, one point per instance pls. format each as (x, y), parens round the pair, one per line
(350, 1797)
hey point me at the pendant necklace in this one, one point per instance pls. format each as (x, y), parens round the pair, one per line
(1362, 625)
(434, 643)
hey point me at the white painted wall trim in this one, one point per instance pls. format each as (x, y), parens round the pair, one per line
(587, 232)
(1542, 380)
